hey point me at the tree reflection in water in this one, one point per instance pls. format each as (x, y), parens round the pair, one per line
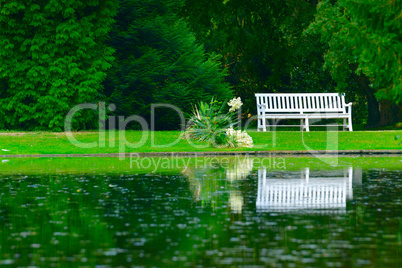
(227, 213)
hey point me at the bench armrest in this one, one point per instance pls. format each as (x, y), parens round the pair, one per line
(349, 107)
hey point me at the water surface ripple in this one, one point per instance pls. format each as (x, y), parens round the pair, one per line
(209, 216)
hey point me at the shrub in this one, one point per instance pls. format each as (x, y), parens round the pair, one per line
(210, 124)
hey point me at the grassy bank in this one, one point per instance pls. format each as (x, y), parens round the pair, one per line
(169, 141)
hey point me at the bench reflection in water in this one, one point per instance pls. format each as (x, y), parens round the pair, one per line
(310, 191)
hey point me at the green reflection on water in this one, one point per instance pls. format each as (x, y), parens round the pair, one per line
(206, 214)
(174, 165)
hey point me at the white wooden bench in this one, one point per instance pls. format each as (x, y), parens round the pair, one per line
(302, 106)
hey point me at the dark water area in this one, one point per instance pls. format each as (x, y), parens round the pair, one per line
(208, 216)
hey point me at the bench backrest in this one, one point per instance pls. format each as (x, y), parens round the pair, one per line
(301, 102)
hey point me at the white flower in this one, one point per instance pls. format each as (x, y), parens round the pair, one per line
(242, 138)
(235, 104)
(230, 131)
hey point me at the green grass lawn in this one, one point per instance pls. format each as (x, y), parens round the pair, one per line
(168, 141)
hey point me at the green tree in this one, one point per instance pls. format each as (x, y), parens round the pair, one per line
(158, 61)
(262, 44)
(53, 56)
(364, 41)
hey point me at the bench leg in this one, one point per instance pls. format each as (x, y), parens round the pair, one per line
(261, 124)
(350, 124)
(301, 125)
(264, 124)
(307, 125)
(344, 124)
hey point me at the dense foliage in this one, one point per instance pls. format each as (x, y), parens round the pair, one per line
(262, 44)
(364, 45)
(53, 56)
(158, 61)
(365, 33)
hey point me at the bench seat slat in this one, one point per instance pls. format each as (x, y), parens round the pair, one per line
(270, 102)
(292, 104)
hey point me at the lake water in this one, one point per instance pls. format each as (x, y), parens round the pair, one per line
(236, 214)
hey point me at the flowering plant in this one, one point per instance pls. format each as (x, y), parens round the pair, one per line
(235, 104)
(240, 138)
(208, 123)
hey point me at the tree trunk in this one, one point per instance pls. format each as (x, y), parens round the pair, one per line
(389, 113)
(372, 102)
